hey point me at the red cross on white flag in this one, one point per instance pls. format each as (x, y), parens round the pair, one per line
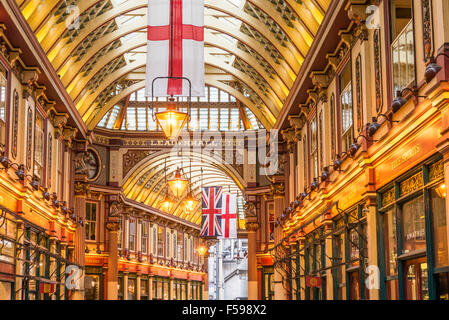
(175, 47)
(229, 216)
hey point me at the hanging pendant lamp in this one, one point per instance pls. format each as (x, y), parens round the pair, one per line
(178, 184)
(166, 203)
(171, 120)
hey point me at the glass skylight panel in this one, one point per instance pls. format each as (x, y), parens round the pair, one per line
(213, 119)
(131, 118)
(234, 119)
(193, 125)
(252, 119)
(224, 119)
(213, 94)
(224, 96)
(141, 95)
(113, 117)
(102, 123)
(236, 3)
(141, 119)
(151, 123)
(232, 99)
(204, 119)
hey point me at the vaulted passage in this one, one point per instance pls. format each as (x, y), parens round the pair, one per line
(310, 164)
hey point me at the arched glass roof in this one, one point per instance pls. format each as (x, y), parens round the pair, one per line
(146, 183)
(253, 49)
(216, 111)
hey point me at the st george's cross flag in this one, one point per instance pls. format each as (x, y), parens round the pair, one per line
(211, 214)
(229, 216)
(175, 47)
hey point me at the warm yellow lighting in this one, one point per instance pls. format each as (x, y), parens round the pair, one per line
(202, 250)
(167, 204)
(171, 120)
(178, 184)
(190, 202)
(441, 191)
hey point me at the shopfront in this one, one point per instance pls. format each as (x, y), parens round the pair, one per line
(161, 288)
(349, 246)
(413, 247)
(8, 237)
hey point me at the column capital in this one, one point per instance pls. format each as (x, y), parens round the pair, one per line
(113, 226)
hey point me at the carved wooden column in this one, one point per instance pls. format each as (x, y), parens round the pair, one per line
(278, 191)
(81, 190)
(252, 225)
(328, 247)
(113, 226)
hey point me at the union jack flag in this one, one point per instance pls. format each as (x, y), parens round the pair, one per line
(211, 215)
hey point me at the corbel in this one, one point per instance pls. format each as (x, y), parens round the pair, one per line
(320, 79)
(357, 11)
(39, 92)
(346, 37)
(14, 55)
(69, 134)
(333, 61)
(30, 76)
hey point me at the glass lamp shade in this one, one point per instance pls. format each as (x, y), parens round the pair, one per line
(171, 121)
(178, 184)
(166, 204)
(190, 202)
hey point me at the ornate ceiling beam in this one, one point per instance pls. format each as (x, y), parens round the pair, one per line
(292, 53)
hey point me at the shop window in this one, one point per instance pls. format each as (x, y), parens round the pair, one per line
(132, 234)
(131, 289)
(144, 289)
(120, 291)
(339, 265)
(402, 46)
(443, 286)
(92, 286)
(439, 224)
(391, 256)
(268, 278)
(8, 234)
(413, 224)
(144, 237)
(347, 119)
(3, 86)
(39, 146)
(91, 221)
